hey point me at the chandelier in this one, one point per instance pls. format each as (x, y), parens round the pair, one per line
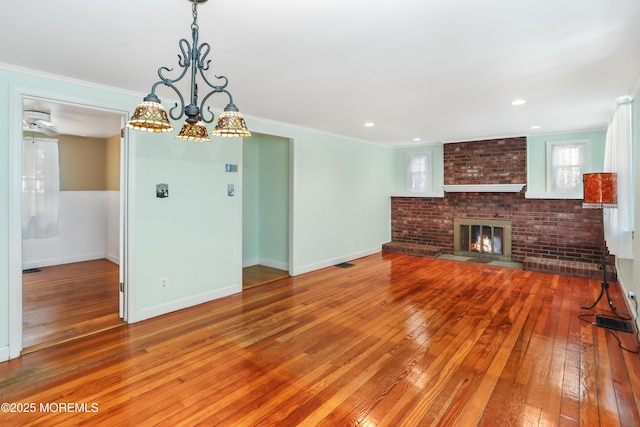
(151, 116)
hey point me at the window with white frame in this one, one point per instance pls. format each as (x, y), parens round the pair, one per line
(418, 179)
(40, 188)
(566, 163)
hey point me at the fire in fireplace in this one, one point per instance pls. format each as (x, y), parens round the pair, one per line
(482, 237)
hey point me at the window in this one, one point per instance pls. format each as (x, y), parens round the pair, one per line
(566, 163)
(40, 188)
(418, 172)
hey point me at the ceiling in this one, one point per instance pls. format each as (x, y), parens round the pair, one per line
(69, 119)
(437, 70)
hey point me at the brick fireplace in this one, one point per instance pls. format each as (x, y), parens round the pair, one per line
(556, 229)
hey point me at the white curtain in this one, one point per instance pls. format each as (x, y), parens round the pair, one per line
(418, 172)
(618, 223)
(40, 188)
(568, 160)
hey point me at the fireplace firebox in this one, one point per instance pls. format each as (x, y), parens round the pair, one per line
(484, 238)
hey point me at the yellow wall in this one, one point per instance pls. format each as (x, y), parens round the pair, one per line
(82, 163)
(112, 172)
(87, 164)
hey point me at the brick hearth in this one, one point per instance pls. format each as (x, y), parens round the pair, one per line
(568, 268)
(412, 249)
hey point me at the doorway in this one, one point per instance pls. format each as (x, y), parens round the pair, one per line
(72, 261)
(266, 193)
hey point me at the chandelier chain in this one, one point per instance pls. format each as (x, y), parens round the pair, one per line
(194, 8)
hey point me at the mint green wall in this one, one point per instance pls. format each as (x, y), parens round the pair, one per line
(193, 236)
(274, 202)
(437, 165)
(250, 200)
(537, 156)
(265, 201)
(340, 202)
(340, 199)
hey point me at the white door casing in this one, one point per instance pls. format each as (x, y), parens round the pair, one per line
(16, 96)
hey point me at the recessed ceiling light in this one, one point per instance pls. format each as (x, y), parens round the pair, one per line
(369, 124)
(518, 102)
(417, 139)
(535, 127)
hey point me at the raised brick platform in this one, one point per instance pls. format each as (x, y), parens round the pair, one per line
(568, 268)
(412, 249)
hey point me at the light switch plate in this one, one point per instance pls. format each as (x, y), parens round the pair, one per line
(162, 191)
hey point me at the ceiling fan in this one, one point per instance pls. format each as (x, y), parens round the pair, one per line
(40, 121)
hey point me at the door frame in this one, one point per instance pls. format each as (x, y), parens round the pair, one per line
(290, 188)
(16, 96)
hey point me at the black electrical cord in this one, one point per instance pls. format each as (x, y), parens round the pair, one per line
(583, 317)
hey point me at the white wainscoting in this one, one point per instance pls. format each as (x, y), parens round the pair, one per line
(112, 243)
(88, 229)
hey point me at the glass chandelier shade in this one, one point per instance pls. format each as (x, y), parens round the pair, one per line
(231, 123)
(151, 116)
(194, 132)
(600, 190)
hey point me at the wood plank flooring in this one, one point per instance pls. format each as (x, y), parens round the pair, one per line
(261, 275)
(65, 302)
(395, 341)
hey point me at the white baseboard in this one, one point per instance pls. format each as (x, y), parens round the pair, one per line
(274, 264)
(169, 307)
(250, 262)
(625, 292)
(331, 262)
(266, 262)
(4, 353)
(113, 258)
(64, 260)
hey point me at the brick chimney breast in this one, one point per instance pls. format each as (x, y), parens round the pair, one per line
(494, 161)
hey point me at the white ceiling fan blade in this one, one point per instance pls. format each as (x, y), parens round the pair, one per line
(39, 121)
(67, 131)
(49, 131)
(44, 123)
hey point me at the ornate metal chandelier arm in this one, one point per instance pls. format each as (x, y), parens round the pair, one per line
(203, 66)
(211, 85)
(218, 89)
(185, 47)
(184, 61)
(202, 55)
(153, 97)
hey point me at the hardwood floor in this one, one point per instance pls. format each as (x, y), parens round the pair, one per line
(65, 302)
(395, 340)
(261, 275)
